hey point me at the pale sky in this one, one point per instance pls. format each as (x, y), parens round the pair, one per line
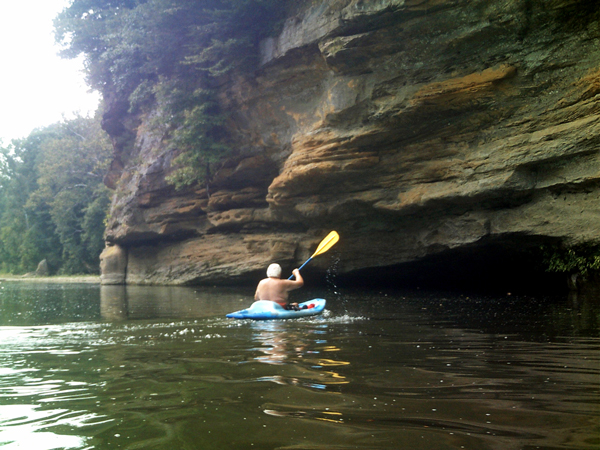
(37, 87)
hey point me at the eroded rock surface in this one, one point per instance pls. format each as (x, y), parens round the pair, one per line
(410, 127)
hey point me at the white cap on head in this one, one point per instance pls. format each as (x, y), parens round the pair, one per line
(274, 270)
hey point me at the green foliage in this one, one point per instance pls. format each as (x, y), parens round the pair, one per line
(171, 55)
(52, 198)
(93, 221)
(19, 179)
(197, 135)
(577, 259)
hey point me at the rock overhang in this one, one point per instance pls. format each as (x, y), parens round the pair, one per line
(414, 129)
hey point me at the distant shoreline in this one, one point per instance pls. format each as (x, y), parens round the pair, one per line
(90, 279)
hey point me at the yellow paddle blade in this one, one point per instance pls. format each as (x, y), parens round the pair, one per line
(327, 243)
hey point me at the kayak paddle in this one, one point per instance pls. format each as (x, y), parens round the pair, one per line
(325, 245)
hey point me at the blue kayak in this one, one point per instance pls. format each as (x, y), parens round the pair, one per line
(267, 310)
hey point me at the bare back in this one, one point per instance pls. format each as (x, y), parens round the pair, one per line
(276, 289)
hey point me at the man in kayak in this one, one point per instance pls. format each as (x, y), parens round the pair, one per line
(275, 289)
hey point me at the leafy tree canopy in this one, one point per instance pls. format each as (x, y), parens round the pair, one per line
(170, 53)
(52, 198)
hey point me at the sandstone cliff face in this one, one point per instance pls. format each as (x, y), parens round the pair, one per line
(412, 127)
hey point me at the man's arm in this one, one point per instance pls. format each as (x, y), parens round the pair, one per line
(297, 282)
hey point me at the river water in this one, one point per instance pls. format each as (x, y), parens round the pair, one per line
(90, 367)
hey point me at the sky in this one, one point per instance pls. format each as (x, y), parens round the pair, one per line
(37, 87)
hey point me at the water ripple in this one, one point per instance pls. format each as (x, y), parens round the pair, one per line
(364, 378)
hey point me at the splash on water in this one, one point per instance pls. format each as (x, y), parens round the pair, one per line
(345, 318)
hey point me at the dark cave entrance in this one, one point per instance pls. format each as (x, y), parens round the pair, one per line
(500, 266)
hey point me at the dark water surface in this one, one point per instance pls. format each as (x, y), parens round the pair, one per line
(85, 367)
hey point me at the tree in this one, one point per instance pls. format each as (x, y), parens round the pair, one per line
(72, 166)
(578, 259)
(52, 199)
(170, 56)
(19, 180)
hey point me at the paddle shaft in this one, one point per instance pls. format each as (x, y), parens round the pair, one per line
(325, 245)
(300, 268)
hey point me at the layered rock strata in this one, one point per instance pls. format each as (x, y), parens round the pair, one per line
(411, 127)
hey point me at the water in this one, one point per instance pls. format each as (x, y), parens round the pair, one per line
(84, 367)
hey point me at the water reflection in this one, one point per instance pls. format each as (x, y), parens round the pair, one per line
(277, 342)
(113, 302)
(302, 346)
(47, 387)
(583, 312)
(23, 303)
(163, 369)
(152, 302)
(301, 357)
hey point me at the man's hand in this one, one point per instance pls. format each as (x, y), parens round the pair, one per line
(298, 281)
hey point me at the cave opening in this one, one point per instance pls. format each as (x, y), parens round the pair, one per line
(500, 266)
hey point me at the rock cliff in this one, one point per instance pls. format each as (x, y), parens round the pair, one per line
(420, 130)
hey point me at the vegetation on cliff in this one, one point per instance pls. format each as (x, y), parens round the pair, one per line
(576, 259)
(53, 202)
(168, 56)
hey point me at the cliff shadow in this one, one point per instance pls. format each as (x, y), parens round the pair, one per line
(499, 266)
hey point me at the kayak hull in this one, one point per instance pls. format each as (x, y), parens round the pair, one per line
(267, 310)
